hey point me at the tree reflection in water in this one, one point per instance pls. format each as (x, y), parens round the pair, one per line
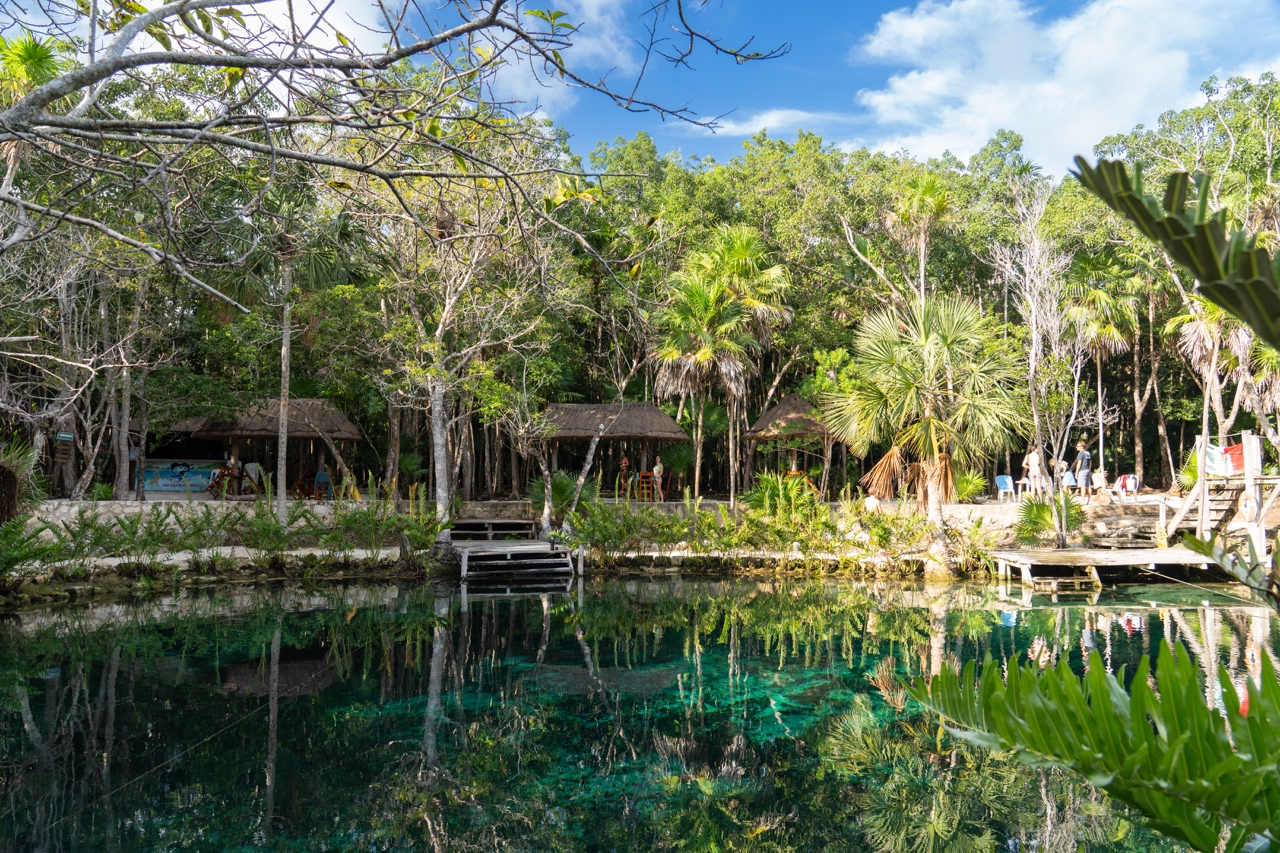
(647, 714)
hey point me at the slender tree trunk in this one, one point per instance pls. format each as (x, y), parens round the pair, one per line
(435, 689)
(1162, 431)
(282, 436)
(697, 450)
(144, 426)
(389, 475)
(440, 461)
(733, 454)
(1101, 467)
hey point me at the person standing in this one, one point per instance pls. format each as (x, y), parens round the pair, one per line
(1083, 469)
(657, 478)
(624, 476)
(1033, 468)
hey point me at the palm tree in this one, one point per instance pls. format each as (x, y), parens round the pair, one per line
(25, 63)
(1108, 314)
(926, 203)
(934, 382)
(740, 260)
(706, 333)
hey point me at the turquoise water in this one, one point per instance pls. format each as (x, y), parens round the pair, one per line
(628, 715)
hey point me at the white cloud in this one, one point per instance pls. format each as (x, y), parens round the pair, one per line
(972, 67)
(778, 121)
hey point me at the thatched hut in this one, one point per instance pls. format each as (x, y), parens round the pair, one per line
(643, 422)
(793, 417)
(308, 419)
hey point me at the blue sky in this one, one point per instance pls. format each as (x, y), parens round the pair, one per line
(922, 76)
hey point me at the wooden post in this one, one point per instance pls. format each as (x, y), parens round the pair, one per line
(465, 552)
(1252, 497)
(1162, 530)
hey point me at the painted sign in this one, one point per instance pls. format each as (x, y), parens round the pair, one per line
(180, 475)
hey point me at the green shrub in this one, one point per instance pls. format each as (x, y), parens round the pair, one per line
(139, 539)
(562, 486)
(970, 485)
(200, 531)
(23, 549)
(101, 492)
(1035, 517)
(86, 535)
(263, 534)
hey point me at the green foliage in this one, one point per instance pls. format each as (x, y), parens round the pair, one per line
(1035, 517)
(101, 492)
(970, 485)
(562, 486)
(139, 539)
(1190, 768)
(1189, 473)
(263, 534)
(613, 529)
(1234, 272)
(369, 524)
(23, 546)
(87, 535)
(200, 530)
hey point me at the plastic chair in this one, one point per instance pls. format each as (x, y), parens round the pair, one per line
(322, 483)
(1004, 486)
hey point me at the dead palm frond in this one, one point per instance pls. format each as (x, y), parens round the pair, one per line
(882, 480)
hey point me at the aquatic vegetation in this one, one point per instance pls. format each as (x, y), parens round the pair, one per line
(652, 715)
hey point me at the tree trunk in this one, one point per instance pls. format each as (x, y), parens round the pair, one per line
(440, 461)
(733, 453)
(1202, 453)
(697, 451)
(144, 426)
(1101, 465)
(391, 473)
(282, 436)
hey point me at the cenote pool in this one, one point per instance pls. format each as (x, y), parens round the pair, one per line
(647, 714)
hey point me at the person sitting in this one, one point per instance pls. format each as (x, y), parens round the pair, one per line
(657, 479)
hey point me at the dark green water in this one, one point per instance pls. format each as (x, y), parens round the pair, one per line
(637, 715)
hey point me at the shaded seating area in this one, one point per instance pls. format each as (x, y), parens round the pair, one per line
(618, 425)
(788, 423)
(318, 432)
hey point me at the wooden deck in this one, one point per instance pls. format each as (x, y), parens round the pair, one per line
(1083, 563)
(497, 548)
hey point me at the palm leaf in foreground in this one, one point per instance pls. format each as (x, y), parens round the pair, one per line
(1234, 273)
(1166, 753)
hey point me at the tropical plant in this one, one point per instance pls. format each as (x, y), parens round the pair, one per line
(262, 532)
(1036, 523)
(562, 487)
(1234, 272)
(969, 486)
(201, 530)
(20, 487)
(705, 333)
(23, 546)
(931, 381)
(1189, 473)
(1190, 769)
(926, 203)
(141, 537)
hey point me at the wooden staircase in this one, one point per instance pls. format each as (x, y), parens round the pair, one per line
(492, 549)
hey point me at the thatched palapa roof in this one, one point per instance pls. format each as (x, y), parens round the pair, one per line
(314, 419)
(641, 421)
(793, 417)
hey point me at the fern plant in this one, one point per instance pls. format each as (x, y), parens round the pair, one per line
(23, 548)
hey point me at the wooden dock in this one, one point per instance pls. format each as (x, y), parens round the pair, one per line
(502, 548)
(1061, 570)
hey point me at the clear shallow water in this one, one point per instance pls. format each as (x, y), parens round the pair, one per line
(636, 715)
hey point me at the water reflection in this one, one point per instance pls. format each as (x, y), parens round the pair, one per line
(629, 715)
